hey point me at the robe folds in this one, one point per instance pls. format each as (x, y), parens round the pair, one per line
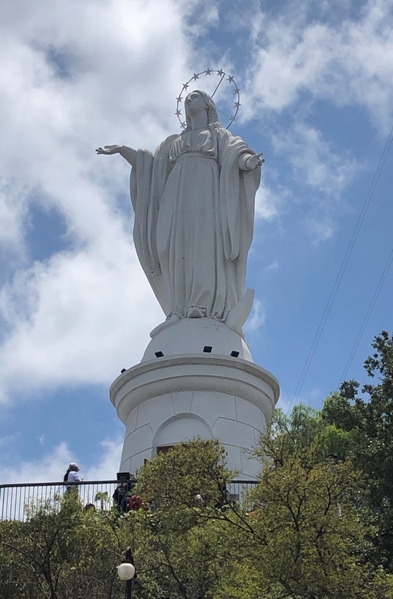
(194, 219)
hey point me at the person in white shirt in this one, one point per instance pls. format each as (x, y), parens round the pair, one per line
(71, 476)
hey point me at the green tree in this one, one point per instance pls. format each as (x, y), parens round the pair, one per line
(306, 434)
(181, 548)
(367, 419)
(308, 535)
(62, 552)
(311, 530)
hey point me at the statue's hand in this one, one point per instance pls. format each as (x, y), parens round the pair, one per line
(255, 160)
(109, 150)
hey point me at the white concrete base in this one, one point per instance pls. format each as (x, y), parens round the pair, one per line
(171, 398)
(192, 335)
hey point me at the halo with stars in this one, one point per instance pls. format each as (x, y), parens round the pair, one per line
(209, 72)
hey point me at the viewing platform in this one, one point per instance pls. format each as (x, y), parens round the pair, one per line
(18, 500)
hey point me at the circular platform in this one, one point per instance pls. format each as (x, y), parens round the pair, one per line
(174, 398)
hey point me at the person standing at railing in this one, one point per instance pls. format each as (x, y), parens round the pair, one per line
(123, 493)
(71, 476)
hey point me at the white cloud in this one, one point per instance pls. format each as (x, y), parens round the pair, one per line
(321, 175)
(269, 201)
(75, 76)
(109, 462)
(320, 229)
(313, 160)
(273, 266)
(13, 210)
(77, 319)
(257, 317)
(201, 15)
(52, 466)
(348, 62)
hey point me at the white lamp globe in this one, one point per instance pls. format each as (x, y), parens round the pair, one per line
(125, 571)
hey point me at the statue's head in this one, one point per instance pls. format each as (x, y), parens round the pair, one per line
(196, 100)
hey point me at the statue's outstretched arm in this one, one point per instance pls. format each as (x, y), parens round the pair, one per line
(249, 162)
(128, 154)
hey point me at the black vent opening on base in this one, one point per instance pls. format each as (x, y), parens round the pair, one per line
(207, 349)
(234, 354)
(123, 370)
(159, 354)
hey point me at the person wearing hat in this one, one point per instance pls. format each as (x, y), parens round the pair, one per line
(71, 476)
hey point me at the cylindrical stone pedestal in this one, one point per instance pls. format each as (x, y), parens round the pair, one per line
(197, 378)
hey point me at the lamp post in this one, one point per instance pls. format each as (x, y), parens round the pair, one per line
(126, 571)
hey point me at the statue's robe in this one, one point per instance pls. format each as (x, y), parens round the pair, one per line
(194, 218)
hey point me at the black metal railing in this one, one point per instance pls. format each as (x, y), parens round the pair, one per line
(238, 490)
(17, 500)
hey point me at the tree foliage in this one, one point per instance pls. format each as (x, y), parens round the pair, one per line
(182, 548)
(367, 419)
(311, 526)
(61, 551)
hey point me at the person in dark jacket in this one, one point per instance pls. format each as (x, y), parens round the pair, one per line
(122, 494)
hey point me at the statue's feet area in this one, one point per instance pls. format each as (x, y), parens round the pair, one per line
(196, 312)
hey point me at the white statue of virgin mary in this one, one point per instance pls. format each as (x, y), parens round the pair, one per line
(194, 217)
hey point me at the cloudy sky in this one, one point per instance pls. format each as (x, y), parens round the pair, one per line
(316, 83)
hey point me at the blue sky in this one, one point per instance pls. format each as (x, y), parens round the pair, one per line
(316, 85)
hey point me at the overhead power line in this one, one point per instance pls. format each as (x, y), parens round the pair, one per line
(367, 316)
(342, 269)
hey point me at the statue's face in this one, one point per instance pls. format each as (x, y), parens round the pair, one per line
(195, 103)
